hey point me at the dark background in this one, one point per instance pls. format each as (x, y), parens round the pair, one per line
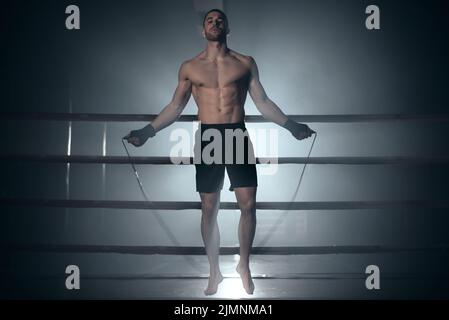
(314, 57)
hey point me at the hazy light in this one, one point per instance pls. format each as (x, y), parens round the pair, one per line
(232, 288)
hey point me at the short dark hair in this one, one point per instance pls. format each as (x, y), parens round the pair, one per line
(215, 10)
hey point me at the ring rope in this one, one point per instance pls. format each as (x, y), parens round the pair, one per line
(260, 276)
(337, 206)
(388, 160)
(189, 250)
(329, 118)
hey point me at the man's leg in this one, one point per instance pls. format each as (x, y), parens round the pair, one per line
(210, 203)
(246, 198)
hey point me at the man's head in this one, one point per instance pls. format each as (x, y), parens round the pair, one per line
(215, 25)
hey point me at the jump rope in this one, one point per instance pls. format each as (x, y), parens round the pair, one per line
(173, 238)
(157, 215)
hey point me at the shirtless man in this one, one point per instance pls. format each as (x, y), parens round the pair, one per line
(219, 80)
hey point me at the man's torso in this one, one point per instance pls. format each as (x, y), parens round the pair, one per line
(220, 87)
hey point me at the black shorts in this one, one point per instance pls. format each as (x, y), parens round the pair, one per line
(241, 169)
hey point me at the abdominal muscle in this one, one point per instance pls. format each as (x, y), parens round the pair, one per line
(219, 105)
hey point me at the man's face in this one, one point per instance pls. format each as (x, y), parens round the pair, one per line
(215, 27)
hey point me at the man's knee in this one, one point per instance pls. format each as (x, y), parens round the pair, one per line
(209, 205)
(209, 210)
(248, 207)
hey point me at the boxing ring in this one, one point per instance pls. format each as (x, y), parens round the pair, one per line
(195, 255)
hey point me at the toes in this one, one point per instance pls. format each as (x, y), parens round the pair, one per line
(209, 292)
(247, 280)
(212, 286)
(249, 288)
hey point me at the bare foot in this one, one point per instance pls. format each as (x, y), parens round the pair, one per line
(212, 286)
(247, 280)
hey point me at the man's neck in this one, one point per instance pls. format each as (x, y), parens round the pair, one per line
(216, 50)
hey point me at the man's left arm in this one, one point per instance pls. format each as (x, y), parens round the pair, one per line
(270, 110)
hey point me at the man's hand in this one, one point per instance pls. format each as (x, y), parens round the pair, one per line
(299, 130)
(138, 137)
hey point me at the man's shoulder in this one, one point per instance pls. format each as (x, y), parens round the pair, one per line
(242, 57)
(186, 64)
(187, 67)
(190, 64)
(194, 60)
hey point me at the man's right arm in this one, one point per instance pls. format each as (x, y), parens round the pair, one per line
(173, 110)
(169, 114)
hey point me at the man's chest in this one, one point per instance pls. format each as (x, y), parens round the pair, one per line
(219, 74)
